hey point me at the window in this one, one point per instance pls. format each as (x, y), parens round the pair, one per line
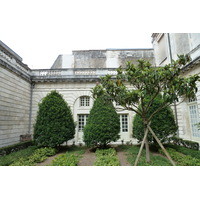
(194, 116)
(82, 120)
(192, 99)
(85, 101)
(194, 120)
(124, 123)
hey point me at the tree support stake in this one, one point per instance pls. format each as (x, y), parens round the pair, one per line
(162, 147)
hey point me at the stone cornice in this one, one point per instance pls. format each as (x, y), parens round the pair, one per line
(15, 70)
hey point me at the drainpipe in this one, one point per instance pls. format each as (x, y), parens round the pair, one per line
(30, 110)
(170, 55)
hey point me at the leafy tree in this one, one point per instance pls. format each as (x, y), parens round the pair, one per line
(162, 123)
(54, 123)
(103, 125)
(134, 82)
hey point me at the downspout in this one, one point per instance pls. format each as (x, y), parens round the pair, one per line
(30, 109)
(175, 107)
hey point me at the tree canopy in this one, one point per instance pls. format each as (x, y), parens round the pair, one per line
(134, 82)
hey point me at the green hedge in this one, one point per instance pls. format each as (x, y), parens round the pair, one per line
(184, 150)
(162, 123)
(54, 122)
(186, 143)
(15, 156)
(106, 157)
(38, 156)
(181, 159)
(13, 148)
(103, 125)
(70, 158)
(66, 159)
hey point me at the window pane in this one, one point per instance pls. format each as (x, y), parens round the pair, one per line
(85, 101)
(194, 120)
(124, 123)
(82, 120)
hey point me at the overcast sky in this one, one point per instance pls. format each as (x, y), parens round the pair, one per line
(40, 30)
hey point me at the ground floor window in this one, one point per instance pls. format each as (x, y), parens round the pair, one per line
(124, 122)
(82, 120)
(194, 119)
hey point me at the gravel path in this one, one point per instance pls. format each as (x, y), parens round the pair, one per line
(87, 159)
(123, 159)
(48, 161)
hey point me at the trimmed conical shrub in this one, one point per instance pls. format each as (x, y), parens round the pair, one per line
(103, 125)
(54, 123)
(163, 123)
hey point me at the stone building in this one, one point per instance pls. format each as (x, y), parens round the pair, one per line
(71, 75)
(21, 89)
(166, 47)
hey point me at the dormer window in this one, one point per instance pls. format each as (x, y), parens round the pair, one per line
(84, 101)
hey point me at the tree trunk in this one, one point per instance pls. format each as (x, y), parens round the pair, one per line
(162, 147)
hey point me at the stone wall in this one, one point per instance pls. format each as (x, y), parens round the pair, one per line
(109, 58)
(14, 107)
(184, 120)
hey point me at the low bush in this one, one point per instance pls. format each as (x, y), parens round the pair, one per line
(70, 158)
(14, 148)
(15, 156)
(106, 157)
(184, 150)
(66, 159)
(181, 159)
(186, 143)
(38, 156)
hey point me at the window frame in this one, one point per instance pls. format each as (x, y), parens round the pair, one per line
(84, 101)
(194, 117)
(82, 122)
(124, 123)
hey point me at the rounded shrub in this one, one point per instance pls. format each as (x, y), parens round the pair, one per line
(54, 123)
(162, 123)
(103, 125)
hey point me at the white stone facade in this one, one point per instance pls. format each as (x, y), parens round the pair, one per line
(21, 89)
(166, 47)
(73, 76)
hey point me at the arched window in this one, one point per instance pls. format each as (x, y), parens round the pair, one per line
(84, 101)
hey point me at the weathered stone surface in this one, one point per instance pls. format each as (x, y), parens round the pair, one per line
(14, 107)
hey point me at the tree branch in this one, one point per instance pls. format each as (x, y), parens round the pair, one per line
(156, 111)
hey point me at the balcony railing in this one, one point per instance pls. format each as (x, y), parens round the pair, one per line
(72, 73)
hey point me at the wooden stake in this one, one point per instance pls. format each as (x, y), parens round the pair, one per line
(163, 148)
(141, 147)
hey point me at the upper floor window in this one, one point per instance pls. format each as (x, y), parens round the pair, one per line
(85, 101)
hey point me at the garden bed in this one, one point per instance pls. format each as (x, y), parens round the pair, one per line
(121, 155)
